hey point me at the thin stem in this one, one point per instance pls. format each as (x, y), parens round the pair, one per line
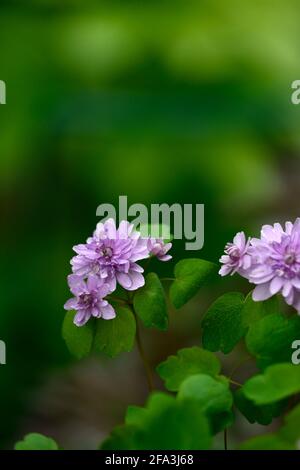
(167, 279)
(225, 439)
(143, 357)
(235, 383)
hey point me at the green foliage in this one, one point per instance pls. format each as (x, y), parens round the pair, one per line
(165, 423)
(254, 311)
(78, 340)
(150, 303)
(290, 431)
(267, 442)
(35, 441)
(262, 414)
(187, 362)
(270, 338)
(190, 276)
(116, 336)
(277, 382)
(213, 396)
(222, 323)
(204, 402)
(286, 438)
(111, 337)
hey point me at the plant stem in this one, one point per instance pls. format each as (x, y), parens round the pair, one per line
(235, 383)
(143, 357)
(167, 278)
(225, 439)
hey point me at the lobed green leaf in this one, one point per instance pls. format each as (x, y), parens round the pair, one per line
(222, 324)
(35, 441)
(111, 337)
(187, 362)
(150, 303)
(190, 276)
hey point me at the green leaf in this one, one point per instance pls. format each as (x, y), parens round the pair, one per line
(187, 362)
(270, 338)
(111, 337)
(290, 431)
(286, 438)
(254, 311)
(222, 325)
(79, 339)
(213, 396)
(190, 275)
(165, 423)
(150, 303)
(121, 438)
(35, 441)
(266, 442)
(277, 382)
(263, 414)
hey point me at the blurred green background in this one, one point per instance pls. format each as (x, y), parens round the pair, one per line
(163, 101)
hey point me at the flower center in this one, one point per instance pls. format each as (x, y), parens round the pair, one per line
(87, 300)
(290, 258)
(106, 252)
(233, 252)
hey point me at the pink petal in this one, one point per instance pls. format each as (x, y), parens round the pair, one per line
(276, 284)
(261, 292)
(240, 240)
(108, 312)
(124, 280)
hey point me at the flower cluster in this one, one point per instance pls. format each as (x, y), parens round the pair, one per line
(109, 258)
(271, 262)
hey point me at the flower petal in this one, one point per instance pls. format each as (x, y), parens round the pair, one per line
(261, 292)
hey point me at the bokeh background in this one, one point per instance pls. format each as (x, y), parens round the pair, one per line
(163, 101)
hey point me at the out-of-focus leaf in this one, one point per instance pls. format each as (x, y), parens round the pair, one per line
(213, 396)
(263, 414)
(187, 362)
(277, 382)
(266, 442)
(286, 438)
(165, 424)
(35, 441)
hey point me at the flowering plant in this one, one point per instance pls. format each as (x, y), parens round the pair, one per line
(113, 292)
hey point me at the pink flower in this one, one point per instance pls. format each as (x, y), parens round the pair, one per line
(112, 254)
(271, 262)
(237, 257)
(88, 299)
(158, 248)
(276, 258)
